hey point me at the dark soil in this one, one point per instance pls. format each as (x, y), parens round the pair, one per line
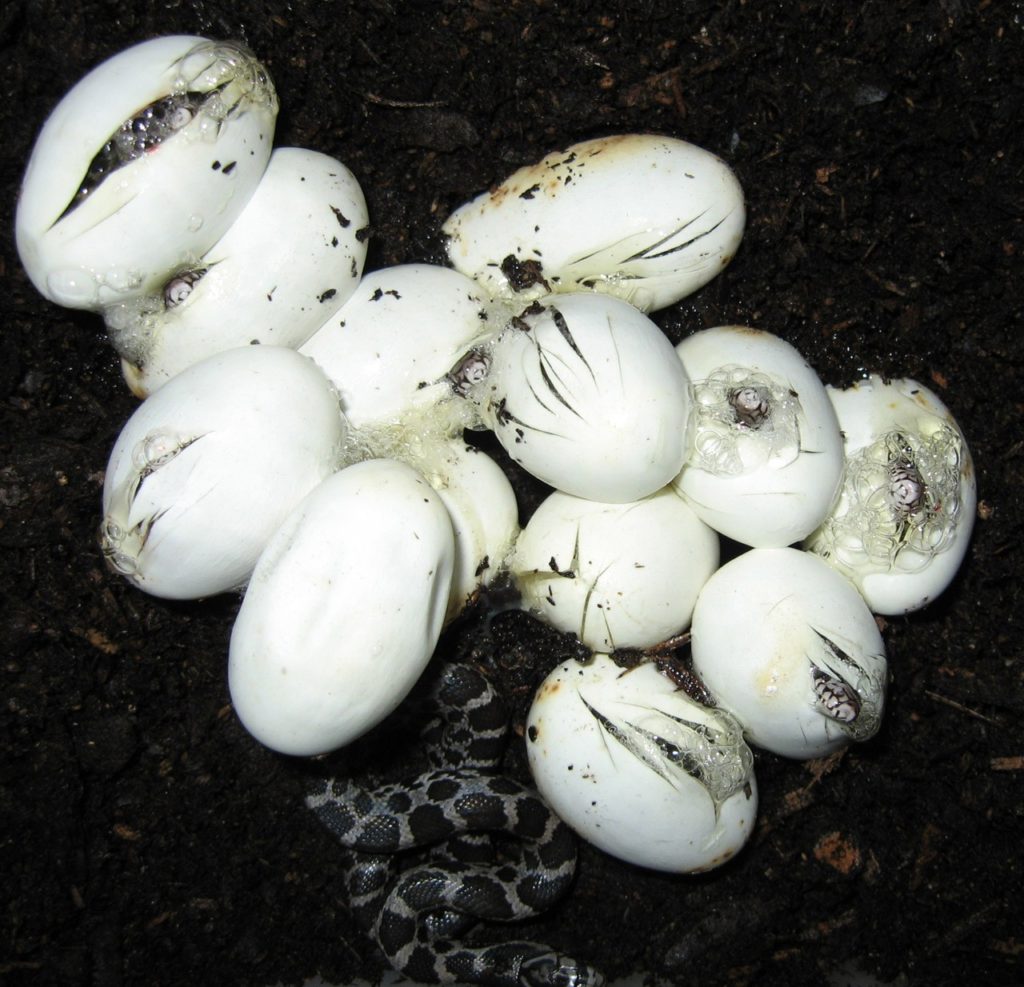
(147, 839)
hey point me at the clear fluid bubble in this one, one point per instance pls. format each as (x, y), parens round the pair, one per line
(73, 287)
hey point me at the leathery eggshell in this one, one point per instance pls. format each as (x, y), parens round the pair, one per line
(767, 454)
(343, 609)
(207, 468)
(395, 347)
(902, 523)
(483, 510)
(286, 265)
(787, 644)
(586, 393)
(615, 575)
(142, 167)
(639, 769)
(649, 219)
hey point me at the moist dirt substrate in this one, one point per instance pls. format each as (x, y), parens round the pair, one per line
(146, 838)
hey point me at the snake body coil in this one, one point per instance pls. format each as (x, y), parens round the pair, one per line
(494, 851)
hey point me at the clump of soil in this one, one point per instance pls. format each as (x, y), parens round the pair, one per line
(147, 839)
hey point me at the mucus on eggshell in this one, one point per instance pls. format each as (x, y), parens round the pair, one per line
(902, 523)
(142, 167)
(788, 645)
(767, 455)
(639, 769)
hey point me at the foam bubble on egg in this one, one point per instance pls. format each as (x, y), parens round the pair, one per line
(787, 644)
(767, 454)
(142, 167)
(639, 769)
(343, 610)
(902, 523)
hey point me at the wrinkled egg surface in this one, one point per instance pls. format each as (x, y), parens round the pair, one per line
(639, 769)
(343, 609)
(645, 218)
(142, 167)
(903, 520)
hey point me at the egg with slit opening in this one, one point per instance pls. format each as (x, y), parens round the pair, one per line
(788, 645)
(645, 218)
(207, 468)
(586, 393)
(639, 769)
(615, 575)
(142, 167)
(902, 523)
(766, 455)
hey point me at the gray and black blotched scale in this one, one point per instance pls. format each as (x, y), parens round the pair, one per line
(494, 852)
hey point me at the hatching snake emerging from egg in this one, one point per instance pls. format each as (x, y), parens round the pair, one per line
(496, 852)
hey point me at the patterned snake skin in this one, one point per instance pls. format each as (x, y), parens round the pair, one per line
(494, 851)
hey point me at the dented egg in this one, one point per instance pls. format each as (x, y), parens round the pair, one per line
(343, 609)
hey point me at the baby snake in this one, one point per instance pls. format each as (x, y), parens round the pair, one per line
(496, 852)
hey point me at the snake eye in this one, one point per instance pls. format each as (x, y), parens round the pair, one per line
(180, 117)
